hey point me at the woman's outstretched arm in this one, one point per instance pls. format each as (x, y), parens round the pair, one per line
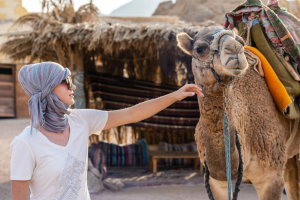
(148, 108)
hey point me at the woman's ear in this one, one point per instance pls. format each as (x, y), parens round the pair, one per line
(185, 42)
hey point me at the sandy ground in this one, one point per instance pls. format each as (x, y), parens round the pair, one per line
(9, 128)
(170, 193)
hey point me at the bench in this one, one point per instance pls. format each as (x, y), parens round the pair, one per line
(154, 155)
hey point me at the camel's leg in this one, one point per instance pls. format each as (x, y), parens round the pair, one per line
(219, 189)
(298, 169)
(269, 187)
(291, 179)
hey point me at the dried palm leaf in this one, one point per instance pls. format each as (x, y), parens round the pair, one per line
(86, 13)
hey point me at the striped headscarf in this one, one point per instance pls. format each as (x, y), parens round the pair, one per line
(45, 107)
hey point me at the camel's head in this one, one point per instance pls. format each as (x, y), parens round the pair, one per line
(223, 48)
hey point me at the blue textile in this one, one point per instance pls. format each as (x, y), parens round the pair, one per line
(45, 107)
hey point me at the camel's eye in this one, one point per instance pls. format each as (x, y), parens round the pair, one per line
(199, 50)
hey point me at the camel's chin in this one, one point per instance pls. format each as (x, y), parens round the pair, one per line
(234, 72)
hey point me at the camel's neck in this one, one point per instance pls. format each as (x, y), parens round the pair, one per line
(211, 123)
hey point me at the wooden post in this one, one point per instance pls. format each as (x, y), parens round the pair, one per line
(21, 97)
(79, 93)
(196, 164)
(150, 163)
(154, 165)
(78, 59)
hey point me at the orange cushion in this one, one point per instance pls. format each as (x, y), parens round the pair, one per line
(276, 88)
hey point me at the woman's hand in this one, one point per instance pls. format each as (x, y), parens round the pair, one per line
(188, 91)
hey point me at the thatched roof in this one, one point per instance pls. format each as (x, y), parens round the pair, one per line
(41, 42)
(139, 47)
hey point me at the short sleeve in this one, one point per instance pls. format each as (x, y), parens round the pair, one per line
(22, 161)
(96, 119)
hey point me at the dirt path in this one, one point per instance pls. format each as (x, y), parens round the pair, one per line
(169, 193)
(9, 128)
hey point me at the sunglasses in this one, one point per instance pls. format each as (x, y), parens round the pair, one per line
(68, 80)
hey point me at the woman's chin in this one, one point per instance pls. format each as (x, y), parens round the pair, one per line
(70, 102)
(73, 101)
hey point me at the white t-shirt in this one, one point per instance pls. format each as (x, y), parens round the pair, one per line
(57, 172)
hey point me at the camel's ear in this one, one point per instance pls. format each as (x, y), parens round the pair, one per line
(185, 42)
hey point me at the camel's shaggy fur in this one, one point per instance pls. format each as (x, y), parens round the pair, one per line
(262, 129)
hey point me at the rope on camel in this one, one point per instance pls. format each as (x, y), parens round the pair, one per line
(227, 154)
(227, 144)
(239, 178)
(210, 65)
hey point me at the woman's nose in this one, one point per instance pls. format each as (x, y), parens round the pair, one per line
(73, 87)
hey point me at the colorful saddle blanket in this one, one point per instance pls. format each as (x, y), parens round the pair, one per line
(273, 31)
(281, 27)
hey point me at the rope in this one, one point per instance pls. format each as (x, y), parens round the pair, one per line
(227, 142)
(240, 169)
(239, 178)
(227, 154)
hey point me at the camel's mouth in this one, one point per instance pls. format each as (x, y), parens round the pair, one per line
(234, 71)
(235, 67)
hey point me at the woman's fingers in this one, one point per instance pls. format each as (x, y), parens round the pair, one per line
(189, 90)
(194, 88)
(191, 94)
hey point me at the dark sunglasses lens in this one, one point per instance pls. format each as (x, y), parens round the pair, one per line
(69, 83)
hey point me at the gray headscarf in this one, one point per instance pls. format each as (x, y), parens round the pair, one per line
(45, 107)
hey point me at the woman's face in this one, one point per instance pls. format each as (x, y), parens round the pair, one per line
(65, 94)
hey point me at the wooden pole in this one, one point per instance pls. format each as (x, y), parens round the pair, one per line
(79, 93)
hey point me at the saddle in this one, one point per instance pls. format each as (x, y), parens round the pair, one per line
(272, 35)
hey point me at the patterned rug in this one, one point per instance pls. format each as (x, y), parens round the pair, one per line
(142, 177)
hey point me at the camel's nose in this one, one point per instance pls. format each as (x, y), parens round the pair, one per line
(234, 49)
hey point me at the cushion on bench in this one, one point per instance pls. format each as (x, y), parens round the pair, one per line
(163, 146)
(135, 154)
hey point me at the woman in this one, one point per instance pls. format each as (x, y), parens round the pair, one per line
(50, 156)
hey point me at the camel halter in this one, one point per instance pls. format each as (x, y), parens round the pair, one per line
(214, 49)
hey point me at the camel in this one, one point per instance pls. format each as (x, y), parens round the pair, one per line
(263, 130)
